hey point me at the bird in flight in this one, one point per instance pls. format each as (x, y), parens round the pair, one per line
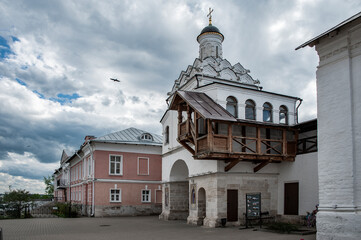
(114, 79)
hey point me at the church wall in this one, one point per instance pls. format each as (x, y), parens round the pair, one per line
(339, 125)
(220, 94)
(195, 167)
(304, 172)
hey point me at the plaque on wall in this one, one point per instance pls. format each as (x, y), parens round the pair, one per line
(253, 204)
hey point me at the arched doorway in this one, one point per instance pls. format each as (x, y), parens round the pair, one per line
(179, 171)
(176, 200)
(202, 204)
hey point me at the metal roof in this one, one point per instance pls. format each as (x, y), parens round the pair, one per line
(313, 41)
(203, 104)
(129, 136)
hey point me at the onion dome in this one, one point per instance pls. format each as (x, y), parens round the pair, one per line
(210, 29)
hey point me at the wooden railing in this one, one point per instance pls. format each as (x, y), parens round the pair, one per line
(307, 145)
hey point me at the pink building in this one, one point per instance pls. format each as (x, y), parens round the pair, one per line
(113, 175)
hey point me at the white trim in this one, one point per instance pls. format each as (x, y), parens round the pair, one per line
(127, 181)
(149, 196)
(121, 165)
(110, 195)
(147, 166)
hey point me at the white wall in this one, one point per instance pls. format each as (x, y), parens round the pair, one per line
(303, 171)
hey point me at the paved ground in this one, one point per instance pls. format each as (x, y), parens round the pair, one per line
(132, 228)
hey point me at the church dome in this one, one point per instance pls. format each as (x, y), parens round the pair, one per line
(209, 30)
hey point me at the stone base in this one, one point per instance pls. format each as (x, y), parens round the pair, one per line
(137, 210)
(174, 215)
(338, 225)
(195, 221)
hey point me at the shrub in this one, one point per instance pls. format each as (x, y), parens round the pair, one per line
(65, 210)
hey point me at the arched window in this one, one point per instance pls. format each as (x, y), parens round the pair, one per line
(146, 137)
(283, 115)
(166, 135)
(232, 106)
(250, 110)
(267, 112)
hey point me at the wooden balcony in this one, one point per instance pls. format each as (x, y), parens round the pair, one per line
(219, 136)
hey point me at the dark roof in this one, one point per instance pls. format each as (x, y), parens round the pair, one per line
(314, 41)
(210, 29)
(307, 125)
(203, 104)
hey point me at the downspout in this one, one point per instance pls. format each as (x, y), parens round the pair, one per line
(93, 164)
(296, 117)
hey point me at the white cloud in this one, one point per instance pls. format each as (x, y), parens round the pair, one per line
(19, 182)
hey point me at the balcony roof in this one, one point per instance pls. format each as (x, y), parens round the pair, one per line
(203, 104)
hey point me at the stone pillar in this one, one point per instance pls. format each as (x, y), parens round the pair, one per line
(339, 139)
(175, 201)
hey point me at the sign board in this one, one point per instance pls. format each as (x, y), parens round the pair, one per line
(55, 208)
(253, 204)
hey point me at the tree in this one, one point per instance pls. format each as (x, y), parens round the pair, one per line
(16, 201)
(49, 185)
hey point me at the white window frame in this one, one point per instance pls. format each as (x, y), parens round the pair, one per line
(147, 166)
(149, 196)
(110, 195)
(121, 165)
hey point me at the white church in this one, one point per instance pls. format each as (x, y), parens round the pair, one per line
(232, 150)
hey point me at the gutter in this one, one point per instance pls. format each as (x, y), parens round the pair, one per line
(296, 117)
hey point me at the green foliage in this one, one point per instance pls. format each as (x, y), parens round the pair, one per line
(49, 185)
(65, 210)
(16, 201)
(282, 227)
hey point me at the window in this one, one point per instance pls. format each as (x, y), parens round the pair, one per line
(145, 195)
(143, 166)
(115, 165)
(267, 112)
(232, 106)
(250, 110)
(115, 195)
(146, 137)
(283, 115)
(166, 135)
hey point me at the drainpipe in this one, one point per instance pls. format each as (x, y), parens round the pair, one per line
(93, 164)
(296, 117)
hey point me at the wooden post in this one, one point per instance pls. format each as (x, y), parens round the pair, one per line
(258, 140)
(179, 119)
(284, 142)
(209, 135)
(188, 119)
(230, 139)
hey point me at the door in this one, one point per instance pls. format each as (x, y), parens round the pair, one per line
(232, 205)
(291, 199)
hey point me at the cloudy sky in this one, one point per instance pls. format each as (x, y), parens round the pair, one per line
(56, 58)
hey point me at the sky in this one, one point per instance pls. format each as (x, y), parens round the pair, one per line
(57, 58)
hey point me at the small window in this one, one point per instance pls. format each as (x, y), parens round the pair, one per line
(267, 112)
(166, 135)
(115, 195)
(145, 195)
(146, 137)
(115, 165)
(250, 110)
(232, 106)
(283, 115)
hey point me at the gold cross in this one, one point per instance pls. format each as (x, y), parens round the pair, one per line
(210, 16)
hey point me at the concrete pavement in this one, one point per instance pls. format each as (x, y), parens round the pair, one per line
(132, 228)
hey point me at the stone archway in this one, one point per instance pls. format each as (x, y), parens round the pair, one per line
(176, 193)
(201, 205)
